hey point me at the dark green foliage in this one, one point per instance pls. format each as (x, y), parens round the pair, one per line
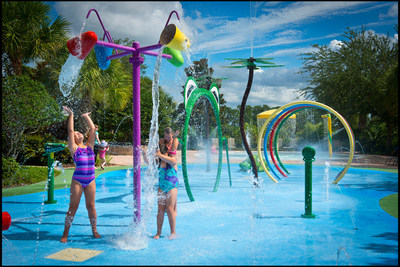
(14, 174)
(360, 81)
(33, 149)
(26, 108)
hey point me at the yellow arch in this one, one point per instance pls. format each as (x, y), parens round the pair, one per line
(343, 121)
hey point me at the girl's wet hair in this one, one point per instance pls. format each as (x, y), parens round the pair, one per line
(168, 130)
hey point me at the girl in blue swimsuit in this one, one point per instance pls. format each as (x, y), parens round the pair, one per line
(168, 182)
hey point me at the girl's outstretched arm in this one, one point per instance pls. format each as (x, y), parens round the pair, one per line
(71, 136)
(92, 129)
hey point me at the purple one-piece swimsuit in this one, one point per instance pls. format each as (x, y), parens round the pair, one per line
(84, 160)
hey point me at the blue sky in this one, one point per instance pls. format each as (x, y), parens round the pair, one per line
(236, 29)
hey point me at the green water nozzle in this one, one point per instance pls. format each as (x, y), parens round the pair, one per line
(53, 147)
(308, 153)
(49, 149)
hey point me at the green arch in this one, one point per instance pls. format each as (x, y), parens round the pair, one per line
(189, 104)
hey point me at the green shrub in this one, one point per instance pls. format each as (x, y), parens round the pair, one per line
(15, 174)
(33, 150)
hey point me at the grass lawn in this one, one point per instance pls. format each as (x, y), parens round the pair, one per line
(390, 204)
(59, 182)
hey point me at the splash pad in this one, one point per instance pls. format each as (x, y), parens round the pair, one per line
(238, 225)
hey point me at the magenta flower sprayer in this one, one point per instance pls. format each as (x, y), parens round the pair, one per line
(171, 37)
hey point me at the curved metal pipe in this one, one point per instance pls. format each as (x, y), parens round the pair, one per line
(106, 33)
(170, 17)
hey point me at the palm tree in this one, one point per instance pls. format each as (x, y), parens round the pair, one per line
(28, 33)
(251, 66)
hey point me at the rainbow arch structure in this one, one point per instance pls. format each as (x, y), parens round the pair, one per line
(278, 117)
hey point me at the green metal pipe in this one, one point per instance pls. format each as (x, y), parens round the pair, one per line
(50, 179)
(308, 157)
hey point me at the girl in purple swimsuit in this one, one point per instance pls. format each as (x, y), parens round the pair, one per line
(83, 177)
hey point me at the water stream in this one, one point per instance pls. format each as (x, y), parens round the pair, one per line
(70, 70)
(138, 236)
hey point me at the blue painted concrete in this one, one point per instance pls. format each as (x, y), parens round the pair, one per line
(238, 225)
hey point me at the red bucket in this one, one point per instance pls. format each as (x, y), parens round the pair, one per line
(82, 44)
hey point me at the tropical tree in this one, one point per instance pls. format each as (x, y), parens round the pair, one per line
(359, 79)
(27, 109)
(29, 34)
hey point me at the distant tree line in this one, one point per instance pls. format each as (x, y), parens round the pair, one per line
(360, 81)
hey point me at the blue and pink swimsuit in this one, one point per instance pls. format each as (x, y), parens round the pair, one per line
(84, 160)
(168, 176)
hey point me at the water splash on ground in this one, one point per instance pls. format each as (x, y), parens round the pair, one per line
(138, 237)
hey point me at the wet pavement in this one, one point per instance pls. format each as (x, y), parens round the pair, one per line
(237, 225)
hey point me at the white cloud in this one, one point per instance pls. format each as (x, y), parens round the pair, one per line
(139, 21)
(227, 35)
(394, 10)
(335, 44)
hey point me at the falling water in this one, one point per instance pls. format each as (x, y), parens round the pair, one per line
(187, 50)
(252, 26)
(10, 254)
(70, 70)
(138, 238)
(248, 138)
(69, 74)
(340, 251)
(115, 133)
(326, 178)
(40, 218)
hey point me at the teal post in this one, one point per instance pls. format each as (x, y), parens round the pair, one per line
(308, 157)
(49, 149)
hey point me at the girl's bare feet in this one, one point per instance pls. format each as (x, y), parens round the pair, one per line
(64, 239)
(172, 236)
(96, 235)
(157, 236)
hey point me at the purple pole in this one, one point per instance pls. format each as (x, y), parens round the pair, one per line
(136, 61)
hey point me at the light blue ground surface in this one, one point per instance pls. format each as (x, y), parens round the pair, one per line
(238, 225)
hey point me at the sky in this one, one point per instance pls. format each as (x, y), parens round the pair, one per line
(235, 29)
